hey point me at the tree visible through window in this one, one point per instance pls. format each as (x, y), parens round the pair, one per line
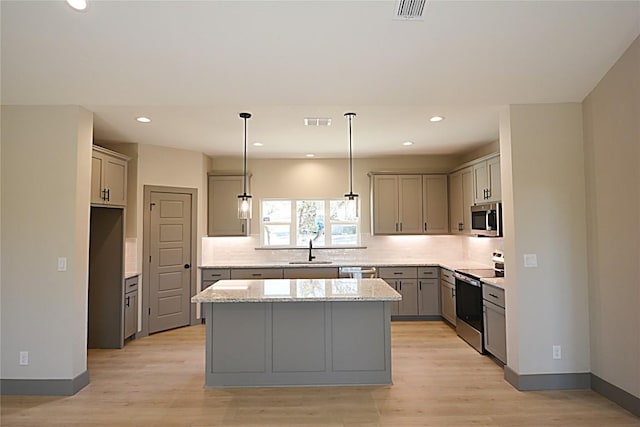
(293, 223)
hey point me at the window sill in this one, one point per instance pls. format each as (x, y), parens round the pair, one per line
(306, 248)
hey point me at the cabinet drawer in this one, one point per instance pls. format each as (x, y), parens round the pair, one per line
(398, 272)
(131, 284)
(311, 273)
(493, 294)
(427, 272)
(447, 276)
(215, 274)
(256, 273)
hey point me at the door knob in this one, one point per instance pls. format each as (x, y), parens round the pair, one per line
(187, 266)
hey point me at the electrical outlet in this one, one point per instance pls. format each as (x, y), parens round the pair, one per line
(62, 264)
(557, 352)
(24, 358)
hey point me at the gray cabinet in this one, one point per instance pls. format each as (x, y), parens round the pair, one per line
(212, 275)
(256, 273)
(222, 203)
(108, 177)
(397, 204)
(428, 292)
(460, 201)
(435, 205)
(311, 273)
(486, 181)
(405, 281)
(130, 306)
(448, 295)
(495, 334)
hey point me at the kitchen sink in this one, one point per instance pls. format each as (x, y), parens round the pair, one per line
(310, 262)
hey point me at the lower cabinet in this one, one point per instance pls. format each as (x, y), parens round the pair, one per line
(256, 273)
(428, 292)
(448, 295)
(130, 307)
(495, 333)
(311, 273)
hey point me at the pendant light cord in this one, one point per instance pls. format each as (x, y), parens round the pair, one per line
(350, 116)
(245, 156)
(245, 116)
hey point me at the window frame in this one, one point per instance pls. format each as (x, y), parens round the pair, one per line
(293, 226)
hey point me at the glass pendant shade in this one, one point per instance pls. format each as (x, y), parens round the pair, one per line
(244, 206)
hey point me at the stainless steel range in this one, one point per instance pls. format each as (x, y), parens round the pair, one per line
(469, 325)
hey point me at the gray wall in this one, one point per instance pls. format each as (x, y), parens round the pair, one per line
(612, 151)
(46, 161)
(543, 193)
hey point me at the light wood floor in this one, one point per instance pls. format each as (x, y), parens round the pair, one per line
(438, 381)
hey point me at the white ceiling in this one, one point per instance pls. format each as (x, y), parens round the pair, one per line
(193, 66)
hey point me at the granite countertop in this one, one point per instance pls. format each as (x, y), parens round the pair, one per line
(130, 274)
(297, 290)
(498, 282)
(449, 264)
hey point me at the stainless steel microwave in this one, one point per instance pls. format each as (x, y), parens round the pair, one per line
(486, 220)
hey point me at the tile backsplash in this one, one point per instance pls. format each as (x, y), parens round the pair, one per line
(375, 249)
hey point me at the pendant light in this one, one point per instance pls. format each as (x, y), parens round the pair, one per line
(244, 199)
(352, 198)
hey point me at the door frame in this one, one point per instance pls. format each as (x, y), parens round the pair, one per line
(146, 226)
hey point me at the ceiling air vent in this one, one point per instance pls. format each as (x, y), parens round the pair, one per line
(410, 9)
(317, 121)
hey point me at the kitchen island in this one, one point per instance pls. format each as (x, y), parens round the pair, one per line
(297, 332)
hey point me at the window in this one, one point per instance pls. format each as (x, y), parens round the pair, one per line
(293, 223)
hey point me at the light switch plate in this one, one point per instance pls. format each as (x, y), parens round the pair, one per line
(62, 264)
(530, 260)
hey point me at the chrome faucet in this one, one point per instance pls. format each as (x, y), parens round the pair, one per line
(311, 257)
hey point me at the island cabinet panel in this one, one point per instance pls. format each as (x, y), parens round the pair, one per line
(243, 347)
(352, 324)
(299, 337)
(297, 343)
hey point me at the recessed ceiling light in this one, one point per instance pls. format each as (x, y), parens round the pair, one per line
(258, 144)
(436, 119)
(407, 143)
(143, 119)
(77, 4)
(311, 155)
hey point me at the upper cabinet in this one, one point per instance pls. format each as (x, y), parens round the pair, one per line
(409, 204)
(486, 178)
(435, 209)
(397, 204)
(460, 201)
(223, 206)
(108, 177)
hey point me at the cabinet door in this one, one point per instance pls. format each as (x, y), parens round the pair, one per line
(97, 166)
(495, 334)
(460, 201)
(130, 313)
(456, 219)
(223, 206)
(435, 204)
(115, 180)
(409, 291)
(467, 199)
(428, 297)
(385, 204)
(410, 204)
(493, 173)
(480, 182)
(447, 296)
